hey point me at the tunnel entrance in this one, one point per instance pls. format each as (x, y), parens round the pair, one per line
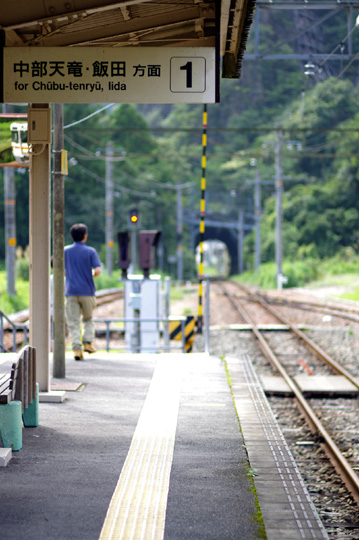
(227, 238)
(216, 259)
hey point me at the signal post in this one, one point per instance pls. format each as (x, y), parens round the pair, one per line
(141, 294)
(133, 223)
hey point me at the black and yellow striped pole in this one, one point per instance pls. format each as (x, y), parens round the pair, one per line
(201, 224)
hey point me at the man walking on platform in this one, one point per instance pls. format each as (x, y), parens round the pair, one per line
(82, 264)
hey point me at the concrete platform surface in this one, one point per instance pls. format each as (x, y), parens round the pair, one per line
(149, 446)
(285, 503)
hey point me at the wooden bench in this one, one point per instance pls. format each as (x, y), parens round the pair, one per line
(19, 399)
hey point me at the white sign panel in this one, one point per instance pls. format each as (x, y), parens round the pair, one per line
(109, 75)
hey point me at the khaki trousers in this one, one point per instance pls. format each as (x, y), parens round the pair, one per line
(75, 307)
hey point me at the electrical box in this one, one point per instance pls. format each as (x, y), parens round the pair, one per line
(39, 126)
(142, 309)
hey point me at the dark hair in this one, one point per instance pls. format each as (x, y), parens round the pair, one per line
(78, 232)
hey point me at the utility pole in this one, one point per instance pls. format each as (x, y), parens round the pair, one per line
(58, 286)
(10, 222)
(278, 207)
(179, 234)
(240, 240)
(257, 213)
(109, 207)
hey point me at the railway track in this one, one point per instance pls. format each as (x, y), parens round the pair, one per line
(103, 297)
(348, 312)
(327, 442)
(315, 348)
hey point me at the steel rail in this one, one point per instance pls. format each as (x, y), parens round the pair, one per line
(19, 320)
(341, 465)
(318, 351)
(341, 312)
(109, 297)
(347, 308)
(104, 296)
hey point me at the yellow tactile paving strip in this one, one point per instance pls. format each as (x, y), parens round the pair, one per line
(138, 506)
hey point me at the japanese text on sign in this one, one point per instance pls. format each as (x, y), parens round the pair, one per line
(99, 69)
(147, 75)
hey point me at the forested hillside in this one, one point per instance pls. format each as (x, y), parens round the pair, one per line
(157, 147)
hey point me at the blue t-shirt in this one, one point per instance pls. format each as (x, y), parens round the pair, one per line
(80, 259)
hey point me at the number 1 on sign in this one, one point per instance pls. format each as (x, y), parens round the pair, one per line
(188, 74)
(188, 69)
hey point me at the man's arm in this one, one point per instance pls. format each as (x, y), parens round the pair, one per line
(96, 271)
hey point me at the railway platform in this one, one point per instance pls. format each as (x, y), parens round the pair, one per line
(152, 447)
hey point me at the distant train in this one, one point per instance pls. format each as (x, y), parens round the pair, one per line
(19, 144)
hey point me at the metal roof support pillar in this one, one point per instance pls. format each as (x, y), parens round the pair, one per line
(40, 228)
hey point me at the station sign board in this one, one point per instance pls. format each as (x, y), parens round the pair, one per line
(110, 75)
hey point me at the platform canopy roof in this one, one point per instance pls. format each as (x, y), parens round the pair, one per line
(106, 23)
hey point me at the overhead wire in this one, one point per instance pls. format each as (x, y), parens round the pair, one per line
(103, 181)
(348, 65)
(301, 32)
(326, 92)
(128, 190)
(245, 153)
(340, 44)
(89, 116)
(92, 155)
(263, 129)
(117, 187)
